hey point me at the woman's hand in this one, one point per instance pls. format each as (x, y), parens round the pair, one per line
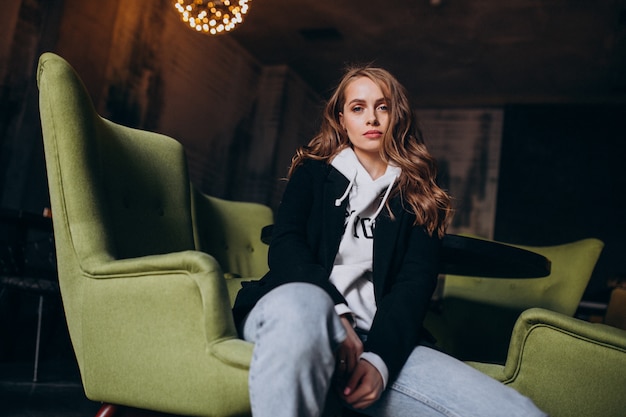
(359, 383)
(349, 352)
(364, 387)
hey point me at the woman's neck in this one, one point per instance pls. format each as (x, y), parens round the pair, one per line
(373, 163)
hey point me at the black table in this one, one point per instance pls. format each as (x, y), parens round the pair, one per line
(463, 255)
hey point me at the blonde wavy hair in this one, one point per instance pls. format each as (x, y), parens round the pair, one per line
(402, 146)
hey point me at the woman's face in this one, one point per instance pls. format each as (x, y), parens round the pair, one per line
(365, 116)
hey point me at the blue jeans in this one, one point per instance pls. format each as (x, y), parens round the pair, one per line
(296, 331)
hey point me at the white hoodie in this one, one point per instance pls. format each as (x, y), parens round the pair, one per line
(352, 269)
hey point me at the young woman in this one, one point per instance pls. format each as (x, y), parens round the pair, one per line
(353, 265)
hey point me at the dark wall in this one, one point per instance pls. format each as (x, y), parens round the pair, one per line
(562, 178)
(238, 120)
(560, 172)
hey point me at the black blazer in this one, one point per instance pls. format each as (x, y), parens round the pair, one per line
(306, 238)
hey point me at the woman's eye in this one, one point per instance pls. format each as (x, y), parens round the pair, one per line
(383, 107)
(357, 109)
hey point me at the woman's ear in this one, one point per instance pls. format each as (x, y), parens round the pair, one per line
(341, 120)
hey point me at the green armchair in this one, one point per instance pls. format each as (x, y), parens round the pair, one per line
(476, 315)
(147, 307)
(569, 367)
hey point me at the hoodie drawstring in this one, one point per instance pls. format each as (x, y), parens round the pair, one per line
(345, 194)
(382, 203)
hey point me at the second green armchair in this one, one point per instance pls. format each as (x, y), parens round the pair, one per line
(477, 314)
(569, 367)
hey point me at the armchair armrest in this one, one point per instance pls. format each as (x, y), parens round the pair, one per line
(198, 267)
(144, 319)
(567, 366)
(192, 261)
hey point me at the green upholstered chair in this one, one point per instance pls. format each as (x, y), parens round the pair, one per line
(476, 315)
(147, 307)
(569, 367)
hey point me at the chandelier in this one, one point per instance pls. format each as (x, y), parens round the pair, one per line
(212, 16)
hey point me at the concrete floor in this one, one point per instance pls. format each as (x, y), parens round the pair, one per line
(58, 392)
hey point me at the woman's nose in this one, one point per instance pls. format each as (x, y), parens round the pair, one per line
(372, 120)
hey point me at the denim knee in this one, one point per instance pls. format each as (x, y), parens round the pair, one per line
(295, 313)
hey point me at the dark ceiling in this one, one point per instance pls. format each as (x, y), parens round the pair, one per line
(449, 52)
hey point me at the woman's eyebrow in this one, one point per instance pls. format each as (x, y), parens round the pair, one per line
(360, 100)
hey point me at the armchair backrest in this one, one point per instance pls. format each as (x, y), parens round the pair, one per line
(126, 186)
(115, 192)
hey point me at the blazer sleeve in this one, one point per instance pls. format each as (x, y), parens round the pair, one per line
(397, 326)
(295, 249)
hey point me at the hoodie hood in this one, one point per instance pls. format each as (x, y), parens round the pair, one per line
(362, 189)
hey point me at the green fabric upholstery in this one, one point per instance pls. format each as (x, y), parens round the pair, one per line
(148, 313)
(569, 367)
(477, 315)
(231, 232)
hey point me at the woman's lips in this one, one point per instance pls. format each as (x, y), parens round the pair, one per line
(373, 134)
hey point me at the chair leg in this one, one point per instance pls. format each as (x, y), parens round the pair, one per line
(111, 410)
(38, 340)
(107, 410)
